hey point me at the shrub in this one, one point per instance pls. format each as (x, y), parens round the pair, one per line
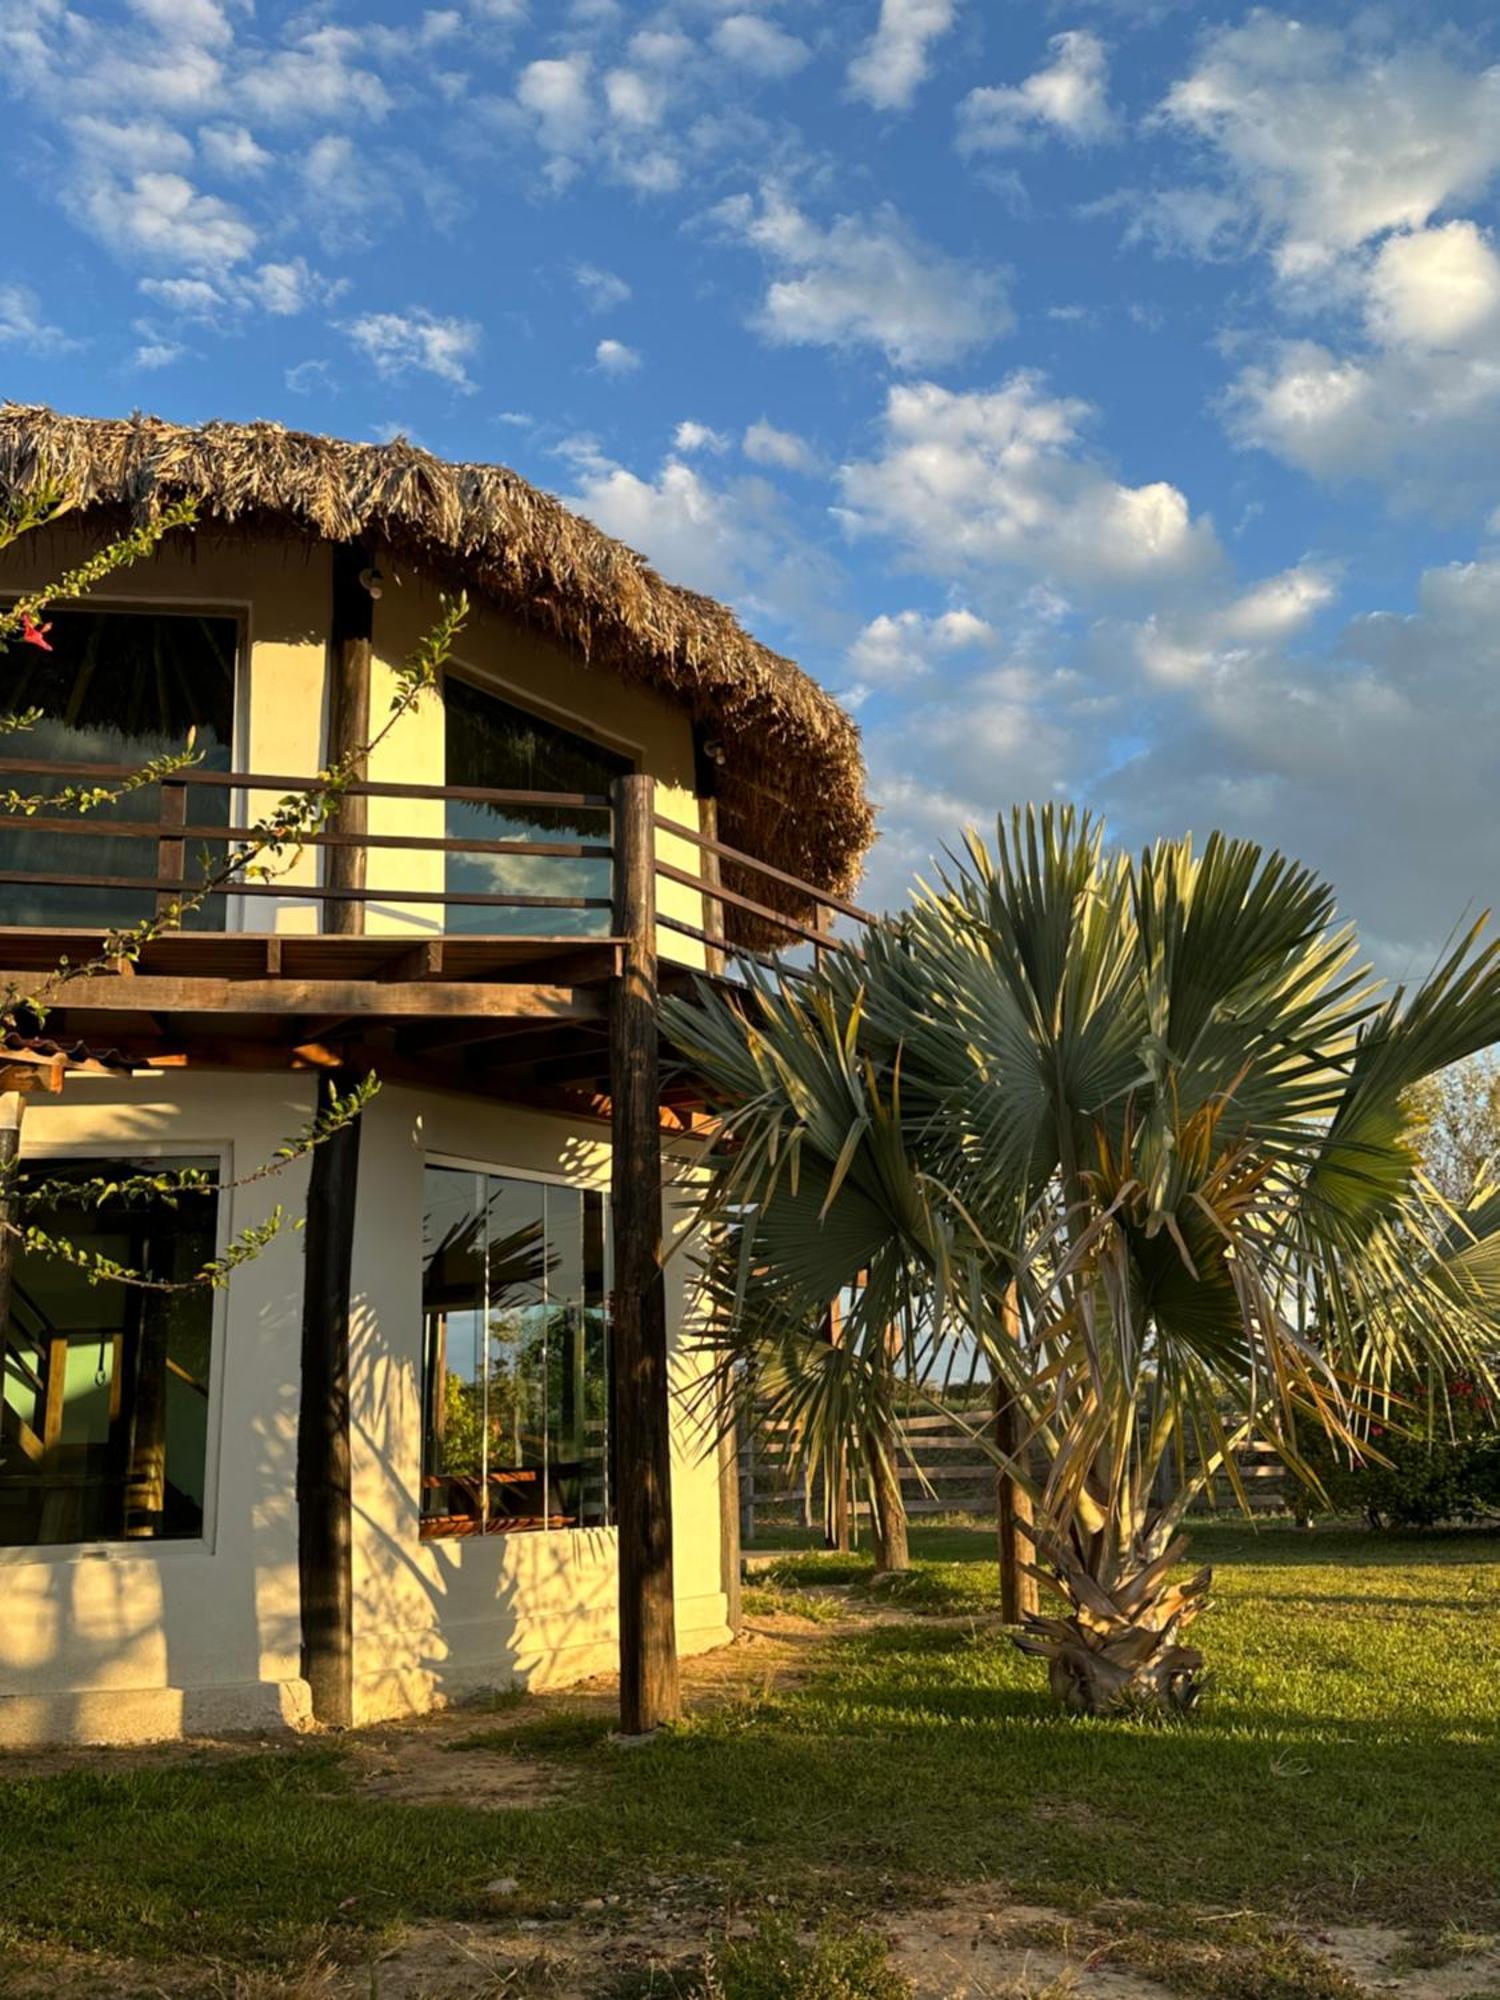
(1453, 1475)
(775, 1964)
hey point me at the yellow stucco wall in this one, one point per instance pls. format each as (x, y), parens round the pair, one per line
(134, 1641)
(281, 592)
(116, 1642)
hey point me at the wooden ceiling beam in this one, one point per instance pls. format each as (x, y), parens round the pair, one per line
(360, 999)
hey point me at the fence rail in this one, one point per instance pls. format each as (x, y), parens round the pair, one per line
(943, 1471)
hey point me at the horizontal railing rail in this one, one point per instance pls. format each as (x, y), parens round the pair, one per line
(782, 916)
(262, 781)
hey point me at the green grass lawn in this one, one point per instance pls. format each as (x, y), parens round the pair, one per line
(1346, 1765)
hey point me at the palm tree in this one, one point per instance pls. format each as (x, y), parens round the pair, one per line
(1132, 1136)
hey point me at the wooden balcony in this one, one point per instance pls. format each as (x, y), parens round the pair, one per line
(378, 946)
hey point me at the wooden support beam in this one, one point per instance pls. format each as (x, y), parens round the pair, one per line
(417, 961)
(649, 1690)
(366, 999)
(324, 1477)
(12, 1111)
(351, 628)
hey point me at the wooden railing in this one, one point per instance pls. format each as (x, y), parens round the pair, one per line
(186, 844)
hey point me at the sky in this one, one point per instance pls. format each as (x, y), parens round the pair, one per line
(1101, 399)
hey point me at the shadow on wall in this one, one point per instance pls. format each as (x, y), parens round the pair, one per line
(140, 1640)
(436, 1620)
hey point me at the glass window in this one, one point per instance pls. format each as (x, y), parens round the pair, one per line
(490, 742)
(118, 687)
(104, 1413)
(515, 1376)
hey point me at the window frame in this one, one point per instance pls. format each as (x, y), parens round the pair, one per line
(485, 680)
(239, 610)
(177, 1547)
(545, 1177)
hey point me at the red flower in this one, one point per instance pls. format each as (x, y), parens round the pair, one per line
(33, 634)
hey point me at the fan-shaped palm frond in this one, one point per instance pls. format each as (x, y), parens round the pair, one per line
(1162, 1100)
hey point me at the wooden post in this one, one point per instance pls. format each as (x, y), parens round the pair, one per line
(730, 1562)
(839, 1535)
(713, 875)
(351, 627)
(324, 1484)
(12, 1111)
(171, 853)
(1019, 1598)
(649, 1692)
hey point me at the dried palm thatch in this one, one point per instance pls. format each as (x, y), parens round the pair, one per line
(792, 782)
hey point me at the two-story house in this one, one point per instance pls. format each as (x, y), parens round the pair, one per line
(421, 1444)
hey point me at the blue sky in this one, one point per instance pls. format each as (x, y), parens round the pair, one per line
(1104, 399)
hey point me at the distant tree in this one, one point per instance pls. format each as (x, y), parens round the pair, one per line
(1457, 1121)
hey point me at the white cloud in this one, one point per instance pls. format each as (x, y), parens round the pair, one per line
(1418, 408)
(557, 93)
(764, 444)
(602, 290)
(730, 538)
(311, 378)
(893, 651)
(233, 149)
(613, 357)
(417, 341)
(893, 64)
(1360, 759)
(317, 78)
(155, 354)
(759, 46)
(1177, 647)
(1328, 139)
(1435, 288)
(283, 289)
(130, 145)
(968, 480)
(864, 281)
(1070, 97)
(163, 218)
(22, 324)
(201, 21)
(635, 99)
(690, 436)
(193, 298)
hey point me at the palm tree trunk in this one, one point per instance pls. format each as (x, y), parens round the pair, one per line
(888, 1511)
(1019, 1598)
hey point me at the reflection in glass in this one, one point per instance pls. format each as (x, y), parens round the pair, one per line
(118, 687)
(491, 743)
(515, 1355)
(104, 1410)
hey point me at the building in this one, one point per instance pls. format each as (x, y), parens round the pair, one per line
(390, 1463)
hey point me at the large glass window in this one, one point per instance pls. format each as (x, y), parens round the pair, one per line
(104, 1413)
(515, 1379)
(118, 687)
(492, 743)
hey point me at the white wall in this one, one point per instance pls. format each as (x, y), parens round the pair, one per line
(119, 1642)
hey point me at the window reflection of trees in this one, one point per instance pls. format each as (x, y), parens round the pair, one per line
(515, 1387)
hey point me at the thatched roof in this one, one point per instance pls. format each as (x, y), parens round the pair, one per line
(792, 783)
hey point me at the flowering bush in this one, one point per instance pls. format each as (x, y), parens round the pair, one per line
(1452, 1475)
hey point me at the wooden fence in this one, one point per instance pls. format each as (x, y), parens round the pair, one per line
(955, 1477)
